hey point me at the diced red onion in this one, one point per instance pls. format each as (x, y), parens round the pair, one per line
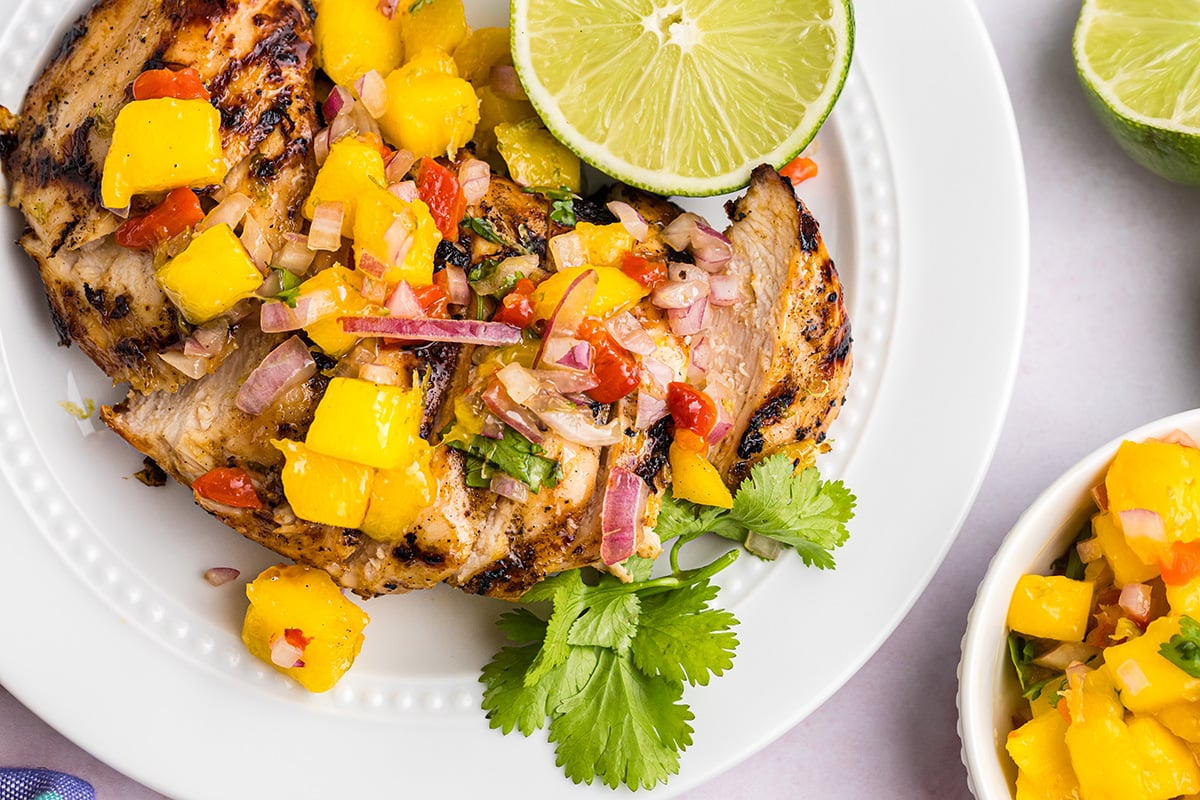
(294, 256)
(277, 316)
(678, 233)
(285, 654)
(362, 121)
(1100, 496)
(519, 382)
(256, 243)
(1132, 676)
(765, 548)
(405, 190)
(650, 409)
(678, 294)
(219, 576)
(1063, 654)
(492, 428)
(637, 226)
(508, 486)
(724, 423)
(521, 420)
(288, 365)
(702, 353)
(1135, 600)
(193, 366)
(372, 91)
(371, 265)
(690, 320)
(398, 165)
(457, 288)
(567, 250)
(578, 357)
(387, 7)
(630, 334)
(577, 425)
(621, 514)
(506, 271)
(568, 381)
(711, 249)
(474, 176)
(380, 374)
(1089, 550)
(568, 315)
(403, 302)
(399, 239)
(344, 124)
(724, 289)
(680, 272)
(557, 352)
(1180, 437)
(207, 340)
(227, 212)
(373, 290)
(467, 331)
(1145, 532)
(321, 145)
(326, 230)
(339, 99)
(660, 373)
(505, 82)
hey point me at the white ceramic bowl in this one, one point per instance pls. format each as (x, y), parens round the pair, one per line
(987, 688)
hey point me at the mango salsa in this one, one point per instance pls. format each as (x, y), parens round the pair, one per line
(615, 292)
(162, 144)
(353, 168)
(336, 290)
(378, 210)
(367, 423)
(1159, 477)
(298, 611)
(535, 158)
(1146, 679)
(1125, 563)
(430, 110)
(210, 276)
(324, 489)
(353, 37)
(605, 245)
(1039, 749)
(1051, 607)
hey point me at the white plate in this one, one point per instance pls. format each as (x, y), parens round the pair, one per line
(111, 636)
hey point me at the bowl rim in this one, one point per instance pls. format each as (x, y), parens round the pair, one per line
(1036, 533)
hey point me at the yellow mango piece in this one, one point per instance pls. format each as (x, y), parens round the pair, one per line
(1160, 477)
(322, 489)
(336, 290)
(1185, 598)
(1147, 680)
(535, 158)
(210, 276)
(367, 423)
(305, 601)
(162, 144)
(1182, 719)
(1127, 567)
(694, 478)
(435, 24)
(353, 168)
(483, 49)
(1039, 749)
(430, 111)
(1050, 607)
(605, 245)
(378, 210)
(1105, 762)
(353, 38)
(615, 292)
(399, 496)
(1168, 767)
(495, 110)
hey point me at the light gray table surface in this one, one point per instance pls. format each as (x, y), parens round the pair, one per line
(1112, 340)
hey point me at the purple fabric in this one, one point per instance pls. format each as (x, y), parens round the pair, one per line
(42, 784)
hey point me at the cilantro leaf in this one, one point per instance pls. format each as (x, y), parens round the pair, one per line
(483, 227)
(680, 638)
(562, 202)
(622, 726)
(289, 286)
(512, 454)
(511, 704)
(568, 605)
(417, 5)
(611, 621)
(1183, 649)
(521, 626)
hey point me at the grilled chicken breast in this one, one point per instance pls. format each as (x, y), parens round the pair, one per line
(255, 57)
(783, 352)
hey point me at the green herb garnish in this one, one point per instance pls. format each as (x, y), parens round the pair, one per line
(562, 205)
(1183, 649)
(513, 455)
(289, 286)
(483, 227)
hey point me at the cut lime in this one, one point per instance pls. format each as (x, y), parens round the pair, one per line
(1140, 68)
(683, 96)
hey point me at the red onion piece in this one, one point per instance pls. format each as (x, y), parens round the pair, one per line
(371, 265)
(577, 425)
(373, 93)
(621, 515)
(492, 428)
(571, 309)
(457, 288)
(678, 294)
(373, 290)
(564, 352)
(219, 576)
(508, 486)
(227, 212)
(711, 249)
(403, 302)
(405, 190)
(702, 353)
(522, 421)
(724, 289)
(637, 226)
(1180, 437)
(399, 239)
(506, 83)
(690, 320)
(467, 331)
(398, 165)
(679, 232)
(288, 365)
(207, 340)
(475, 177)
(1100, 496)
(578, 357)
(326, 230)
(193, 366)
(380, 374)
(650, 409)
(630, 334)
(1089, 550)
(321, 144)
(519, 382)
(1135, 601)
(1145, 533)
(568, 381)
(284, 653)
(567, 250)
(344, 124)
(660, 373)
(339, 99)
(294, 256)
(387, 7)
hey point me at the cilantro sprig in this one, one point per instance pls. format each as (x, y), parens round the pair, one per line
(562, 202)
(800, 511)
(1183, 649)
(512, 454)
(605, 672)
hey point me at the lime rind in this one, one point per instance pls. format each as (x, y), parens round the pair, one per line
(645, 117)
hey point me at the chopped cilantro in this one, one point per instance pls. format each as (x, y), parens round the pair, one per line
(513, 455)
(483, 227)
(562, 205)
(800, 511)
(289, 286)
(417, 5)
(606, 671)
(1183, 650)
(1032, 678)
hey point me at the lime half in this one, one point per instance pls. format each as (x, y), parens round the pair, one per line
(1140, 67)
(683, 96)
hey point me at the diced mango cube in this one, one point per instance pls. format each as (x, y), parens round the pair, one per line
(605, 245)
(1159, 477)
(399, 496)
(324, 489)
(353, 37)
(162, 144)
(434, 24)
(1127, 567)
(535, 158)
(210, 276)
(615, 292)
(430, 110)
(1039, 749)
(353, 168)
(496, 110)
(1182, 719)
(1104, 757)
(1168, 767)
(335, 291)
(1185, 598)
(302, 607)
(367, 423)
(694, 478)
(483, 49)
(378, 211)
(1147, 680)
(1053, 607)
